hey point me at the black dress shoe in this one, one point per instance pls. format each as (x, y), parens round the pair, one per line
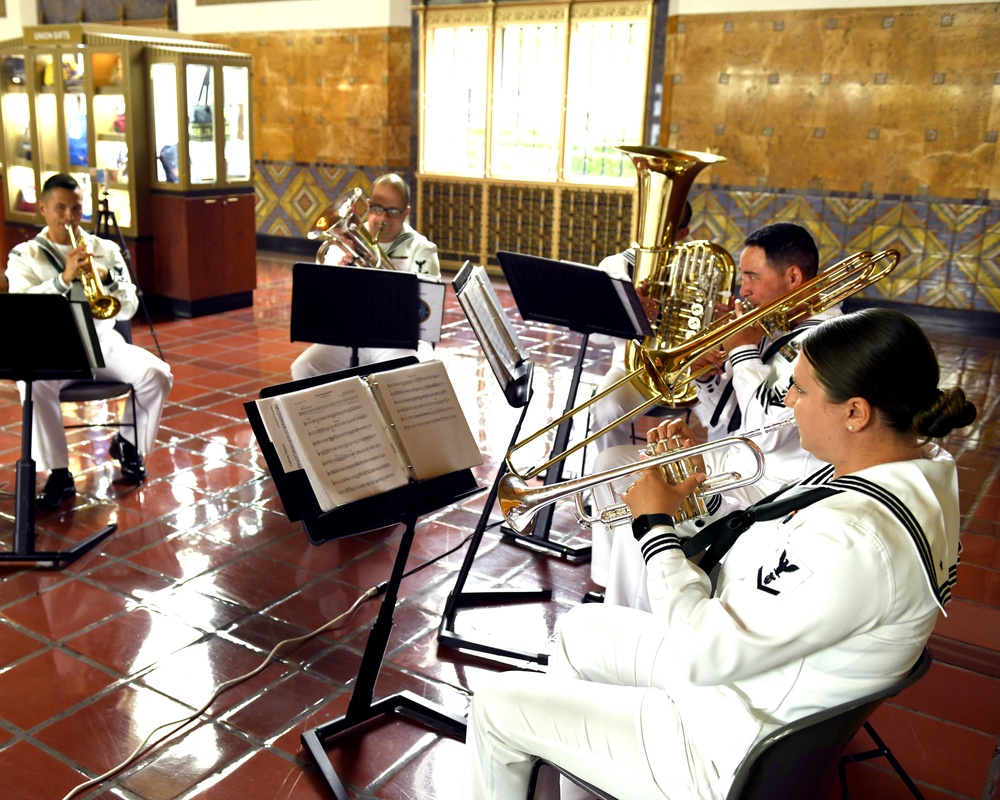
(593, 597)
(128, 458)
(58, 487)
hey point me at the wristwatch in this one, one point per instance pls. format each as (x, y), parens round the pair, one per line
(642, 524)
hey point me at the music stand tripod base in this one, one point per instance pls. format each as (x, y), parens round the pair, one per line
(363, 710)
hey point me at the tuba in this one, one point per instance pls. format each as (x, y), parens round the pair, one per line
(686, 279)
(102, 305)
(341, 226)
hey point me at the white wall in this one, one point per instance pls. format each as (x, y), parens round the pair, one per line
(291, 15)
(739, 6)
(19, 14)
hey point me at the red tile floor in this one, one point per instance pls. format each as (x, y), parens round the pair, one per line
(205, 575)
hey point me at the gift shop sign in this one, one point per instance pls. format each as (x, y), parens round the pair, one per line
(53, 34)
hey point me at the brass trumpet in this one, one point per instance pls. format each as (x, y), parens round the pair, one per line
(520, 503)
(669, 368)
(102, 305)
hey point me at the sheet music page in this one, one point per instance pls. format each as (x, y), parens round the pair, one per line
(338, 430)
(432, 292)
(278, 434)
(631, 303)
(429, 421)
(491, 324)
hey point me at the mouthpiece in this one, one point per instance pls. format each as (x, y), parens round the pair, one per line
(774, 426)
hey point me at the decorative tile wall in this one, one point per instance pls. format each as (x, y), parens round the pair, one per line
(950, 249)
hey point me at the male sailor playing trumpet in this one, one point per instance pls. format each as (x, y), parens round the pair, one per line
(51, 264)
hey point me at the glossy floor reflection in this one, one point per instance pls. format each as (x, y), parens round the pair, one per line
(205, 575)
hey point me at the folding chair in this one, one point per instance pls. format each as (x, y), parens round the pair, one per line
(94, 391)
(802, 758)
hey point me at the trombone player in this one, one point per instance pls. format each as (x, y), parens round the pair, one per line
(744, 391)
(54, 263)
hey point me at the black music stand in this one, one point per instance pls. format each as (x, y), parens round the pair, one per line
(355, 307)
(403, 505)
(586, 300)
(55, 351)
(516, 386)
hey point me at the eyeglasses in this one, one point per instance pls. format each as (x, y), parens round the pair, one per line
(391, 213)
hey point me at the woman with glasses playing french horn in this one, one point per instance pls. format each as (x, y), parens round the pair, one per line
(829, 593)
(388, 228)
(64, 259)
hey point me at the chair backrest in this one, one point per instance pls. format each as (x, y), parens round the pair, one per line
(800, 759)
(124, 327)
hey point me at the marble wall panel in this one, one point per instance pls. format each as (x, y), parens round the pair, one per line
(920, 80)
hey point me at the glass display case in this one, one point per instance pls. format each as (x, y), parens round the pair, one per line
(64, 107)
(200, 118)
(202, 186)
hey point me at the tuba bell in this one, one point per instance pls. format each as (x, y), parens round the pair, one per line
(341, 226)
(686, 279)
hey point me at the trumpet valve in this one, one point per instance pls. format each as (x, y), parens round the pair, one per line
(615, 515)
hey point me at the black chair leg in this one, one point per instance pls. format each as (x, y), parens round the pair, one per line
(881, 750)
(892, 760)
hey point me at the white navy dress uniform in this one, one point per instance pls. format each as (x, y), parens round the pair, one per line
(748, 395)
(36, 266)
(763, 647)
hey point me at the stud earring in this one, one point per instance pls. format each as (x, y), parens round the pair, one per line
(850, 427)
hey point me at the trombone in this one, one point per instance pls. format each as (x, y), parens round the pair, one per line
(520, 503)
(669, 369)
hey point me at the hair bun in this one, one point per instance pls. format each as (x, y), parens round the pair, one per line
(948, 412)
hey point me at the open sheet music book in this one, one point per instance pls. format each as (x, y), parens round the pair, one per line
(490, 322)
(365, 435)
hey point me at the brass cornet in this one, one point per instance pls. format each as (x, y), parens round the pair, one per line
(102, 305)
(520, 503)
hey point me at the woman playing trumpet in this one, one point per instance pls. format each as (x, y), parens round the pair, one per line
(829, 595)
(52, 263)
